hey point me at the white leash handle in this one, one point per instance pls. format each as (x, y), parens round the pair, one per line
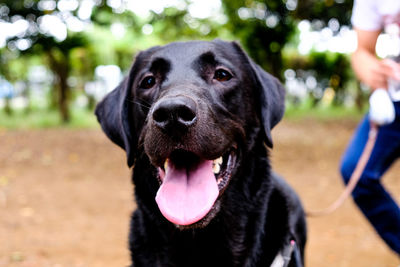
(381, 109)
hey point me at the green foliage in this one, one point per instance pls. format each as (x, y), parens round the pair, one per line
(45, 118)
(177, 25)
(267, 29)
(57, 52)
(331, 69)
(263, 27)
(11, 68)
(307, 110)
(322, 11)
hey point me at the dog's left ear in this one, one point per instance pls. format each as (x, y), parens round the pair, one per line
(271, 95)
(272, 100)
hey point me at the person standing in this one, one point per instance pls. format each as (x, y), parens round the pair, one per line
(369, 20)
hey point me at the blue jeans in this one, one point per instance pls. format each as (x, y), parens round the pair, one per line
(370, 196)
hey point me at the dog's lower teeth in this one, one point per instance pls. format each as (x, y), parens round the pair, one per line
(217, 165)
(216, 168)
(166, 165)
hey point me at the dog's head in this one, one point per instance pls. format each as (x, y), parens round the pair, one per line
(195, 109)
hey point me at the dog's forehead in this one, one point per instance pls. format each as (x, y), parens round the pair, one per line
(185, 53)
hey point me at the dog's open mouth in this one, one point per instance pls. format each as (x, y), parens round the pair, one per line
(191, 185)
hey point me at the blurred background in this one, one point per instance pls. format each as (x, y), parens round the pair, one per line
(60, 57)
(65, 194)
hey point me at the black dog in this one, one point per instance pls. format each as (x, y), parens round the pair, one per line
(193, 119)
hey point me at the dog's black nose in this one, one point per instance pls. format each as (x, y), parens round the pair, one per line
(175, 113)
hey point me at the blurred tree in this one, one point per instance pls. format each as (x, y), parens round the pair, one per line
(263, 27)
(157, 28)
(59, 60)
(15, 70)
(266, 27)
(178, 25)
(43, 30)
(322, 13)
(331, 69)
(121, 46)
(5, 57)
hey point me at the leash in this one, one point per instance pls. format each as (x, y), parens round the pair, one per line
(355, 177)
(285, 255)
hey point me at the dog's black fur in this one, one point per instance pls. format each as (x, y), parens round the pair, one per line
(229, 104)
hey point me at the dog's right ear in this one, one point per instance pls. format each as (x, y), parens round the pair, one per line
(112, 113)
(115, 111)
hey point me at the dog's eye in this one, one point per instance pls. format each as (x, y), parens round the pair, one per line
(148, 82)
(222, 75)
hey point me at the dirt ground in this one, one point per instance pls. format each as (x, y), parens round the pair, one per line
(66, 197)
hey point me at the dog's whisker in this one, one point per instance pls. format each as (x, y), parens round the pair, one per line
(145, 102)
(145, 105)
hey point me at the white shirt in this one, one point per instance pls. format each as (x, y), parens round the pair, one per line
(372, 15)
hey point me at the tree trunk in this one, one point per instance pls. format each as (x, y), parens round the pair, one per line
(60, 67)
(7, 107)
(359, 98)
(26, 94)
(91, 102)
(63, 99)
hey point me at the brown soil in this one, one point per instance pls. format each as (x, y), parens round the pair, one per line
(66, 197)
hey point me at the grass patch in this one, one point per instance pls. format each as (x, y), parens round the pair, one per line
(44, 118)
(323, 113)
(83, 118)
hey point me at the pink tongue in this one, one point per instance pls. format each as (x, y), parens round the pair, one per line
(186, 196)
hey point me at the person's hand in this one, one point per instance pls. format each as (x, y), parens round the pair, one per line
(373, 71)
(369, 69)
(394, 72)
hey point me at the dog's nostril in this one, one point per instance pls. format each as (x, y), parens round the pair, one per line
(160, 115)
(185, 114)
(177, 111)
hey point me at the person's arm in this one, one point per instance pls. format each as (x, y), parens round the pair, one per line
(368, 68)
